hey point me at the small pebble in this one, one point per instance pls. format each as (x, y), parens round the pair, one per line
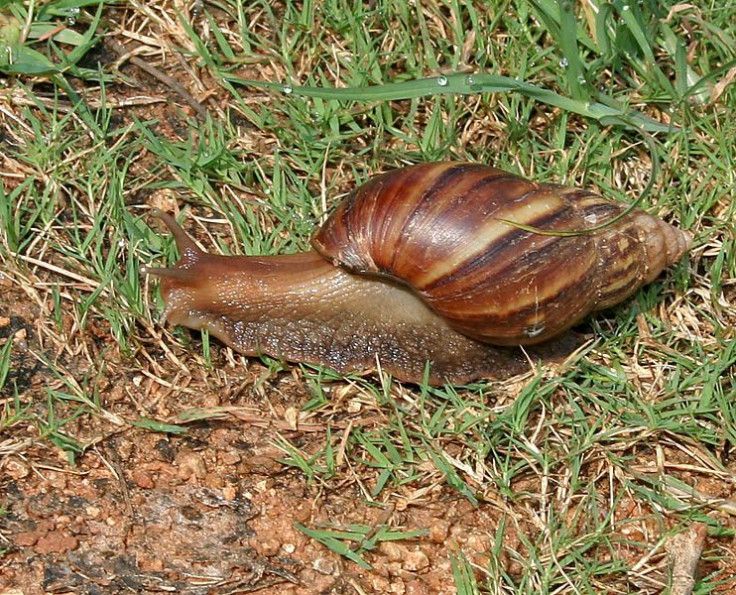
(393, 551)
(438, 531)
(191, 464)
(325, 566)
(416, 560)
(55, 542)
(143, 479)
(16, 469)
(267, 547)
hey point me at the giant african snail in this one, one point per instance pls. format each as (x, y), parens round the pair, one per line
(432, 267)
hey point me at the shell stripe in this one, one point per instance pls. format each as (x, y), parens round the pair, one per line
(494, 237)
(440, 202)
(513, 320)
(391, 205)
(625, 268)
(538, 291)
(501, 254)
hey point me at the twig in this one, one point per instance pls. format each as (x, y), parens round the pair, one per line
(164, 78)
(116, 467)
(261, 421)
(685, 550)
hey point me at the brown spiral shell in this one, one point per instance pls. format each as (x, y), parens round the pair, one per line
(450, 231)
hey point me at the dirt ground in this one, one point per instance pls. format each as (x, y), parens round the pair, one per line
(214, 510)
(211, 511)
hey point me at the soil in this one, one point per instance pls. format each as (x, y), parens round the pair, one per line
(211, 511)
(188, 515)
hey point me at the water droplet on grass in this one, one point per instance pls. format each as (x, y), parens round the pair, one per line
(72, 15)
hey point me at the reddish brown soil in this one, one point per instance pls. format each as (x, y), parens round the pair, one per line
(213, 511)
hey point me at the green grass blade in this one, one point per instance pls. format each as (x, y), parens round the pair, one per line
(463, 84)
(569, 44)
(463, 574)
(159, 426)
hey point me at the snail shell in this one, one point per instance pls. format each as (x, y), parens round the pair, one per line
(429, 272)
(452, 232)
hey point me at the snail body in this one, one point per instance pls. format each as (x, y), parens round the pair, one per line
(434, 271)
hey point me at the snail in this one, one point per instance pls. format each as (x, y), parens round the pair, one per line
(435, 272)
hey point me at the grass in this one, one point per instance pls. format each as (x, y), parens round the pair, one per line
(587, 469)
(363, 538)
